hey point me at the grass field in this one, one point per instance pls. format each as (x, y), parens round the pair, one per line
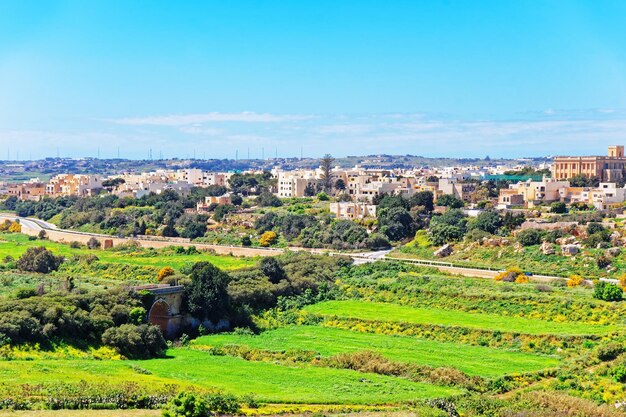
(473, 360)
(267, 381)
(275, 383)
(16, 244)
(395, 312)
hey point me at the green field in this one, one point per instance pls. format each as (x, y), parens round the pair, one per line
(473, 360)
(16, 244)
(394, 312)
(267, 381)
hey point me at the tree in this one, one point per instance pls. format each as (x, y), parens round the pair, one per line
(487, 221)
(391, 201)
(141, 229)
(221, 210)
(340, 184)
(206, 295)
(267, 199)
(112, 183)
(272, 269)
(39, 259)
(582, 180)
(169, 230)
(558, 207)
(192, 226)
(441, 233)
(345, 197)
(326, 165)
(396, 223)
(236, 199)
(448, 227)
(423, 199)
(448, 200)
(512, 221)
(309, 190)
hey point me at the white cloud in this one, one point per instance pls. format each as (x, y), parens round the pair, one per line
(190, 119)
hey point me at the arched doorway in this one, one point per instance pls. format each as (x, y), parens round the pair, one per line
(160, 315)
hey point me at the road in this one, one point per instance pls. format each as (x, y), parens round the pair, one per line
(33, 226)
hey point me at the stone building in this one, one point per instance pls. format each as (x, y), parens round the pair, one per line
(608, 168)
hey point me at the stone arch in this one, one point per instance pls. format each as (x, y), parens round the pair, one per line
(160, 314)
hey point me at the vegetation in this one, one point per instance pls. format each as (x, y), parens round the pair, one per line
(474, 360)
(393, 312)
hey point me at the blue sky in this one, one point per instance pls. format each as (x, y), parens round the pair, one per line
(434, 78)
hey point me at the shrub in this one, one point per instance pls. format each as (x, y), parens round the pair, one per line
(135, 342)
(609, 351)
(594, 227)
(23, 293)
(622, 280)
(323, 196)
(267, 199)
(4, 226)
(223, 404)
(246, 241)
(521, 279)
(40, 260)
(558, 207)
(268, 238)
(42, 235)
(165, 272)
(93, 243)
(602, 262)
(137, 315)
(186, 404)
(510, 275)
(608, 292)
(272, 269)
(529, 237)
(75, 245)
(15, 228)
(543, 288)
(619, 373)
(575, 281)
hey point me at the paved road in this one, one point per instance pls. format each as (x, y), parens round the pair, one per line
(34, 226)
